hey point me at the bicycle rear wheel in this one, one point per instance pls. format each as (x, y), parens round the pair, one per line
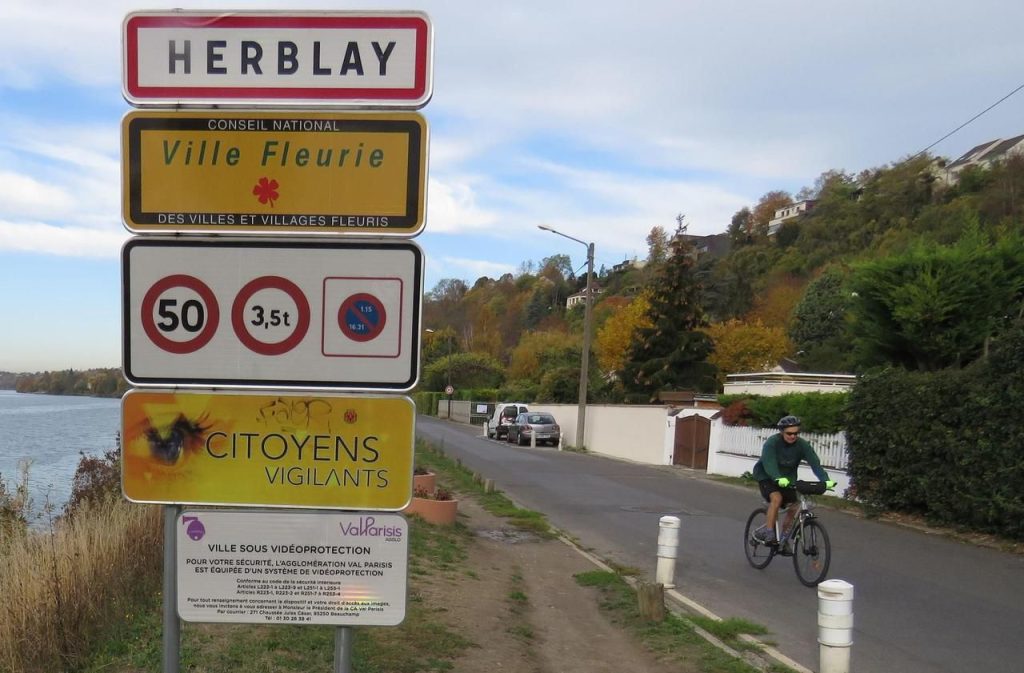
(758, 553)
(812, 553)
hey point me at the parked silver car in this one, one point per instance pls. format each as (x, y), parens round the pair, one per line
(536, 425)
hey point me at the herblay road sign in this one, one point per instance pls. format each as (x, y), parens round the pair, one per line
(264, 313)
(361, 59)
(299, 172)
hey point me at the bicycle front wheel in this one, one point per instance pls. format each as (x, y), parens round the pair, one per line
(812, 554)
(758, 553)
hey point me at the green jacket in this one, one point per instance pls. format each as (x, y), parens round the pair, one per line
(779, 459)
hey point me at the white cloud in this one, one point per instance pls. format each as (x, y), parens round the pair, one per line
(24, 196)
(67, 241)
(471, 268)
(452, 207)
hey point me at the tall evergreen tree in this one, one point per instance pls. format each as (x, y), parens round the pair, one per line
(671, 353)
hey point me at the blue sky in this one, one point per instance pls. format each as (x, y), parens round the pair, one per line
(599, 119)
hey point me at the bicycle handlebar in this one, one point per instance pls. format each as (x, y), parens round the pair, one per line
(810, 487)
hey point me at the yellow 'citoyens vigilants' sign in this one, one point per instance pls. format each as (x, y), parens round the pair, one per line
(318, 451)
(237, 172)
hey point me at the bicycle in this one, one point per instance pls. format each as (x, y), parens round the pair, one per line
(806, 540)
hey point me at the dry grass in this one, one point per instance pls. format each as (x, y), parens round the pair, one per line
(62, 589)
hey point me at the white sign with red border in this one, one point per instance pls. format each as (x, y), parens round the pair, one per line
(281, 313)
(263, 567)
(351, 59)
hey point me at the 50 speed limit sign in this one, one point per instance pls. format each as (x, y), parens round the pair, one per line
(261, 313)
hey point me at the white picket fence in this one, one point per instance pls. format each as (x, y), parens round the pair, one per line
(743, 441)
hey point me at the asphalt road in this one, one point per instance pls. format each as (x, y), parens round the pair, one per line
(922, 603)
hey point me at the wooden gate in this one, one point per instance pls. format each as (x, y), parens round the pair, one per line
(693, 437)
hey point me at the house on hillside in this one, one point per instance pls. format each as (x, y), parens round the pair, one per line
(714, 246)
(787, 376)
(788, 213)
(629, 265)
(581, 296)
(982, 156)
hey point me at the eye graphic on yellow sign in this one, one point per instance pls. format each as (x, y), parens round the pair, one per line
(322, 451)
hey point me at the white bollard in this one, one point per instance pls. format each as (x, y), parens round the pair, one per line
(668, 549)
(835, 626)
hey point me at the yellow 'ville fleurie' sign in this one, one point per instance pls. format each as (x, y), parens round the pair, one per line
(320, 451)
(246, 171)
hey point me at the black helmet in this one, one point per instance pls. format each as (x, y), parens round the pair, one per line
(788, 421)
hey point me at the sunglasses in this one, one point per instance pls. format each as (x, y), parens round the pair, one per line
(791, 434)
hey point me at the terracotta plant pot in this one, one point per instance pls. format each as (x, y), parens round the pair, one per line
(424, 482)
(441, 512)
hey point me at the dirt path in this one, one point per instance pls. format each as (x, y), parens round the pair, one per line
(519, 603)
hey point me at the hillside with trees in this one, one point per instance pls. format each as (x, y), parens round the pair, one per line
(891, 267)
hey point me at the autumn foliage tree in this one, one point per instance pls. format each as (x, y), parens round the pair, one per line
(746, 346)
(618, 332)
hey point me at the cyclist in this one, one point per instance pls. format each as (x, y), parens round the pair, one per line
(776, 473)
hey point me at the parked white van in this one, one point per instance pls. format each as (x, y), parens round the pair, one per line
(504, 415)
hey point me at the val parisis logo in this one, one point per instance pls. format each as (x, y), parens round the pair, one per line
(367, 526)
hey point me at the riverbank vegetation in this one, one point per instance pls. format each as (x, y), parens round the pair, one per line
(94, 382)
(67, 585)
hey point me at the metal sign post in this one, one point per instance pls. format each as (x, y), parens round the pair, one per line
(172, 627)
(304, 314)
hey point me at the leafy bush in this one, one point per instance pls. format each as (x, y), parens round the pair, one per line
(736, 413)
(944, 445)
(820, 412)
(426, 402)
(96, 480)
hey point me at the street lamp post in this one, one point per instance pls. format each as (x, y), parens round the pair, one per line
(581, 415)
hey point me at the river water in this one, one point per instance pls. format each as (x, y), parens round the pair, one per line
(52, 431)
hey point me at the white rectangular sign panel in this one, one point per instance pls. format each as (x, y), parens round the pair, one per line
(271, 313)
(260, 567)
(353, 59)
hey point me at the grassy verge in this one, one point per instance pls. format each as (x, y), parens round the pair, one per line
(675, 639)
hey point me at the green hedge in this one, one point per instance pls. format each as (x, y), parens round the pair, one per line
(820, 412)
(426, 402)
(946, 445)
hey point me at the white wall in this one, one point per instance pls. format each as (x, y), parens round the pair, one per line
(631, 432)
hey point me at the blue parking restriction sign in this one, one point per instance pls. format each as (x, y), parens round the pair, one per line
(362, 317)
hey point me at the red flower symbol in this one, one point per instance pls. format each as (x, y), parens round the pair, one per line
(350, 416)
(266, 191)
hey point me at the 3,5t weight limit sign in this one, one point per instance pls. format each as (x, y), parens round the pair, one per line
(271, 314)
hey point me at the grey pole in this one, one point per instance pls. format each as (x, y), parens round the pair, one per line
(581, 414)
(172, 627)
(343, 638)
